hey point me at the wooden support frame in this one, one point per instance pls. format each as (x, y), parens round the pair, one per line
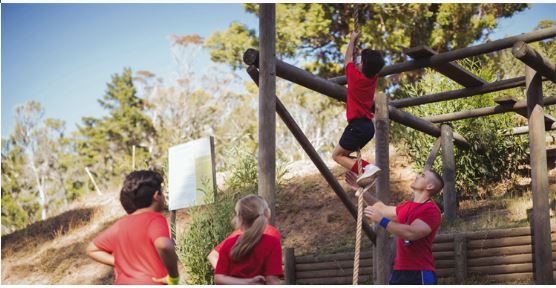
(525, 129)
(325, 87)
(449, 174)
(485, 111)
(267, 108)
(432, 155)
(509, 101)
(461, 53)
(450, 70)
(461, 93)
(314, 156)
(535, 60)
(540, 223)
(382, 136)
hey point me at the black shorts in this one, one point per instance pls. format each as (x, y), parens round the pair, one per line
(412, 277)
(357, 134)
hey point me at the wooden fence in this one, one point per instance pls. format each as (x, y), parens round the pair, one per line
(497, 256)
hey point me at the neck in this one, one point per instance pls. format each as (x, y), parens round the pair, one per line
(143, 210)
(420, 196)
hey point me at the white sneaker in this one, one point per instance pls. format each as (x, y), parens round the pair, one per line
(368, 177)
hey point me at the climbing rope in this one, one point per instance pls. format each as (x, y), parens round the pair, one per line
(359, 223)
(359, 172)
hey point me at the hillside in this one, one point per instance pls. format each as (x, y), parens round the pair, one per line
(310, 216)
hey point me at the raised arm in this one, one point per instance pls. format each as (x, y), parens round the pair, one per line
(351, 47)
(416, 230)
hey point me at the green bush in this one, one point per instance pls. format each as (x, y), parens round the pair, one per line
(492, 157)
(210, 224)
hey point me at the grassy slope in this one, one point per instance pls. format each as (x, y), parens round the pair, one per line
(310, 216)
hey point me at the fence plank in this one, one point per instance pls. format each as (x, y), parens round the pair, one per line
(332, 281)
(501, 251)
(501, 242)
(503, 269)
(445, 272)
(290, 273)
(332, 265)
(501, 260)
(448, 246)
(448, 263)
(330, 257)
(443, 255)
(332, 273)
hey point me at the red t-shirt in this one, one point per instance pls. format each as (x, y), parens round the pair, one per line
(418, 255)
(264, 259)
(131, 241)
(360, 93)
(268, 230)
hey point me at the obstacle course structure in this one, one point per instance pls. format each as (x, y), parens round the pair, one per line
(263, 68)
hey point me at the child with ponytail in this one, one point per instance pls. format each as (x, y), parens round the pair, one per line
(252, 257)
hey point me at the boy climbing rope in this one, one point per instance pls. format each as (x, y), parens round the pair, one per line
(362, 79)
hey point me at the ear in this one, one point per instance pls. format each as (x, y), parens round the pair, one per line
(156, 195)
(267, 213)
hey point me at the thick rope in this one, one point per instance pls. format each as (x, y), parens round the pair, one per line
(355, 28)
(359, 224)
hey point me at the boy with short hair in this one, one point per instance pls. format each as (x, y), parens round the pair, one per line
(139, 245)
(362, 79)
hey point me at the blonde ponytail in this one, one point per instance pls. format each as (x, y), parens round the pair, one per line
(250, 212)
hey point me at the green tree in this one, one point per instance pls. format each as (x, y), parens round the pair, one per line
(106, 143)
(317, 33)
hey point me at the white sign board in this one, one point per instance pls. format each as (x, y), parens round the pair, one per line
(190, 175)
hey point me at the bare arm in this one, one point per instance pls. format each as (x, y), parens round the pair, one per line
(351, 46)
(213, 258)
(99, 255)
(165, 249)
(417, 230)
(221, 279)
(273, 280)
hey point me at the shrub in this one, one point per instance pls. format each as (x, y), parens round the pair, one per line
(492, 156)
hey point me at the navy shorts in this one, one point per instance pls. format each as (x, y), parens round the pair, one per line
(357, 134)
(412, 277)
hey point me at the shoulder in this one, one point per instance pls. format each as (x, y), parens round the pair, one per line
(272, 231)
(431, 209)
(270, 241)
(229, 242)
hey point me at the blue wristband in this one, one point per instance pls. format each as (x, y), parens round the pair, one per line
(384, 222)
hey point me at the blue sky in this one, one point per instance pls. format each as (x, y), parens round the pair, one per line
(62, 55)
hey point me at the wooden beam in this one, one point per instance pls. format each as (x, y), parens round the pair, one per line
(525, 130)
(267, 107)
(509, 101)
(314, 156)
(382, 136)
(450, 70)
(485, 111)
(422, 125)
(540, 222)
(434, 152)
(534, 60)
(448, 174)
(461, 53)
(325, 87)
(461, 93)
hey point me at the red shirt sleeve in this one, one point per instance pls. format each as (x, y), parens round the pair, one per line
(350, 69)
(430, 215)
(273, 264)
(158, 228)
(223, 263)
(107, 239)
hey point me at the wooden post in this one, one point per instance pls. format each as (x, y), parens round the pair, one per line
(93, 180)
(539, 180)
(213, 160)
(382, 248)
(267, 106)
(290, 266)
(173, 225)
(460, 258)
(448, 173)
(133, 158)
(535, 60)
(432, 155)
